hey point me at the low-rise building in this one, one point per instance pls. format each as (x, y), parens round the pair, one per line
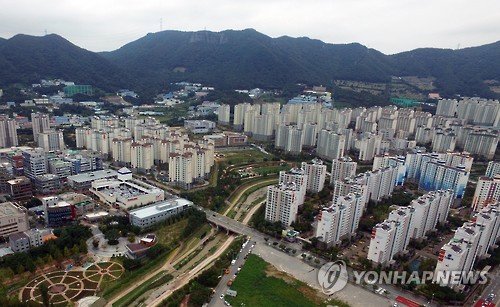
(13, 218)
(20, 188)
(82, 182)
(19, 242)
(157, 212)
(126, 194)
(199, 126)
(48, 184)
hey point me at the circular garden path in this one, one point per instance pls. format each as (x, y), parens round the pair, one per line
(66, 286)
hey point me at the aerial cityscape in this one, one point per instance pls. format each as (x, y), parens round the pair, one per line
(232, 168)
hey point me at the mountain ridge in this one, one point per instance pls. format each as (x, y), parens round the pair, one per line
(241, 59)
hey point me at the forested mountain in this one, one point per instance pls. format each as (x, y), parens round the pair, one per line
(27, 59)
(240, 59)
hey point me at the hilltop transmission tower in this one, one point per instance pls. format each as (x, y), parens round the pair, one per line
(161, 24)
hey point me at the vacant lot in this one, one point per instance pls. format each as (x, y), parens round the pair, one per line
(260, 284)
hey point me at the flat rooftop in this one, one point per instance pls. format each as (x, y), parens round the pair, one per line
(95, 175)
(159, 207)
(9, 209)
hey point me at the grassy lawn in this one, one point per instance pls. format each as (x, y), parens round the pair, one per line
(171, 233)
(152, 283)
(194, 239)
(255, 181)
(256, 288)
(271, 169)
(244, 156)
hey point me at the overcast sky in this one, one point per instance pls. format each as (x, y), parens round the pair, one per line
(389, 26)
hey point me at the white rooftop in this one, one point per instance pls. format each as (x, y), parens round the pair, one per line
(158, 207)
(91, 176)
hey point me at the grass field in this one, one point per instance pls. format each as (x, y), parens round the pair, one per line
(258, 181)
(170, 233)
(259, 284)
(244, 156)
(194, 239)
(271, 169)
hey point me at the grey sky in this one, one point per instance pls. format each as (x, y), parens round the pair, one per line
(389, 26)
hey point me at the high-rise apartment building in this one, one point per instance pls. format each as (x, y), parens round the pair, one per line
(391, 237)
(331, 145)
(342, 168)
(483, 143)
(224, 114)
(51, 140)
(8, 132)
(297, 176)
(40, 123)
(341, 220)
(493, 169)
(447, 107)
(282, 203)
(487, 191)
(316, 175)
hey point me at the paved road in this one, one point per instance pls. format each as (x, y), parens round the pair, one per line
(183, 279)
(222, 287)
(493, 287)
(352, 294)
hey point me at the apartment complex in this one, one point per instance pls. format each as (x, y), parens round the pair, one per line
(342, 168)
(341, 220)
(282, 203)
(470, 243)
(316, 175)
(391, 237)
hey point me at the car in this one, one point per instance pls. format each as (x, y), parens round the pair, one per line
(226, 303)
(222, 296)
(233, 261)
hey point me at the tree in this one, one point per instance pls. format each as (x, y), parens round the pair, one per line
(6, 274)
(44, 291)
(20, 269)
(112, 236)
(67, 252)
(75, 250)
(33, 202)
(95, 243)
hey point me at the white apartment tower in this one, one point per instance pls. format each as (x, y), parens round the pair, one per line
(340, 220)
(224, 115)
(40, 123)
(342, 168)
(331, 145)
(141, 156)
(487, 191)
(297, 176)
(493, 169)
(8, 132)
(316, 175)
(282, 203)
